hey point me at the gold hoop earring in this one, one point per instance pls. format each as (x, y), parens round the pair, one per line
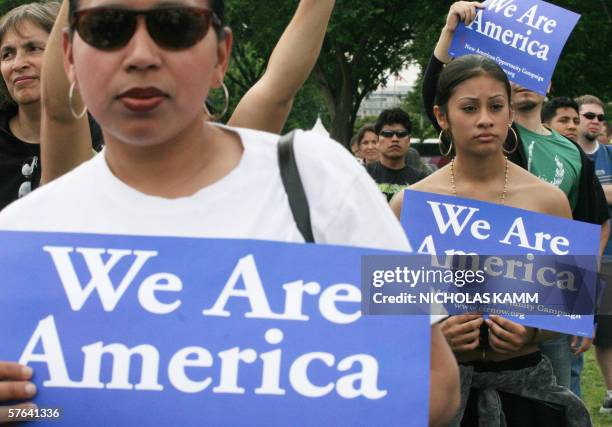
(70, 101)
(441, 144)
(516, 141)
(219, 116)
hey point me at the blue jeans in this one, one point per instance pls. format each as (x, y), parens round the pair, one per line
(560, 355)
(577, 365)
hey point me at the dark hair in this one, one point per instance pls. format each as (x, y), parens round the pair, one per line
(217, 6)
(41, 14)
(549, 110)
(465, 68)
(393, 116)
(368, 127)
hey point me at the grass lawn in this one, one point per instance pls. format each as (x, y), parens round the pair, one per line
(593, 390)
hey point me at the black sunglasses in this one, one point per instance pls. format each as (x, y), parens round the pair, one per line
(398, 133)
(591, 116)
(27, 170)
(171, 27)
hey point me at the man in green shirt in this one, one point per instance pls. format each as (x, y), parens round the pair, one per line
(557, 160)
(550, 156)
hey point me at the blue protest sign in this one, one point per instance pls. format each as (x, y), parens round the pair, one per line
(524, 37)
(513, 285)
(174, 331)
(437, 224)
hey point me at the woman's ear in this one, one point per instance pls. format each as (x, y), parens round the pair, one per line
(224, 50)
(440, 117)
(68, 59)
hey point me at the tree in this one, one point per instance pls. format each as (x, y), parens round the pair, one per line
(257, 28)
(413, 104)
(366, 42)
(6, 5)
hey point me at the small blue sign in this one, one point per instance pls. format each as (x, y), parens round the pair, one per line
(525, 37)
(190, 332)
(446, 225)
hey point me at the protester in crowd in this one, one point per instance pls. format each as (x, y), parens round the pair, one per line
(606, 133)
(23, 36)
(542, 152)
(591, 110)
(561, 115)
(472, 106)
(592, 117)
(265, 106)
(367, 141)
(164, 164)
(391, 172)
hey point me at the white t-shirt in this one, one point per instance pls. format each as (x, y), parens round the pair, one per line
(346, 207)
(250, 202)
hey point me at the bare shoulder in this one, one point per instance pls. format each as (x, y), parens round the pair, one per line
(437, 182)
(534, 194)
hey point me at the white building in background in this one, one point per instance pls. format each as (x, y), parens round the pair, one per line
(390, 96)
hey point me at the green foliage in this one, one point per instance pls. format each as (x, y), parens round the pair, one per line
(257, 26)
(584, 66)
(6, 5)
(361, 121)
(308, 105)
(593, 390)
(413, 104)
(365, 43)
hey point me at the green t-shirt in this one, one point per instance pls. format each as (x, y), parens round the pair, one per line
(554, 159)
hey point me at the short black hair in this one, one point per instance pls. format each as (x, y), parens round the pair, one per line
(217, 6)
(393, 116)
(549, 110)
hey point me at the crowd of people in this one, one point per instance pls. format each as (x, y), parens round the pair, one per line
(107, 113)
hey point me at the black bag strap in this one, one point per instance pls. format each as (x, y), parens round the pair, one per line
(293, 186)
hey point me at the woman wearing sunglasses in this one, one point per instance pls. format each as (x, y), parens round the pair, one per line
(144, 72)
(265, 106)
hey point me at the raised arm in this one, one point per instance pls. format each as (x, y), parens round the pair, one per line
(65, 141)
(461, 11)
(267, 104)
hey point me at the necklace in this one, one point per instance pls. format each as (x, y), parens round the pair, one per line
(502, 197)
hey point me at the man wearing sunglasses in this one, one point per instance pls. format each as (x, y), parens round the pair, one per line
(591, 113)
(391, 172)
(591, 110)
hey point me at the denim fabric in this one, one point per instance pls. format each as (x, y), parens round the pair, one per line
(559, 353)
(577, 365)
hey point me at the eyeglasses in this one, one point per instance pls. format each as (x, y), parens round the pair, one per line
(398, 133)
(172, 27)
(591, 116)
